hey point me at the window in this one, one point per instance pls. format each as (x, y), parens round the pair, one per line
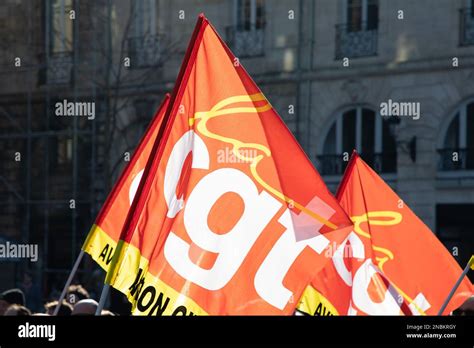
(144, 44)
(60, 153)
(357, 36)
(61, 26)
(466, 24)
(354, 15)
(246, 36)
(454, 228)
(59, 42)
(143, 21)
(250, 15)
(457, 152)
(362, 15)
(64, 151)
(360, 129)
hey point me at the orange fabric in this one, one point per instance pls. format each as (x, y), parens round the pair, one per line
(399, 244)
(246, 166)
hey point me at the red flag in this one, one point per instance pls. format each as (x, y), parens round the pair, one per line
(396, 260)
(232, 217)
(105, 233)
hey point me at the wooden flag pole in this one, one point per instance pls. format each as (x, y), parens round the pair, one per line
(453, 290)
(69, 281)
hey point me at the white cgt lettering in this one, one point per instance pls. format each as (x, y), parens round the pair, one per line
(358, 252)
(190, 141)
(270, 275)
(361, 280)
(360, 295)
(232, 247)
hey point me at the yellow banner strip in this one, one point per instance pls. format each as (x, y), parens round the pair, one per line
(148, 294)
(314, 303)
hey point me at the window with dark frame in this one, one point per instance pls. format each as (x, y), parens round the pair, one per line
(250, 15)
(61, 26)
(458, 143)
(362, 15)
(361, 129)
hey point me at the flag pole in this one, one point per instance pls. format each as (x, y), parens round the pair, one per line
(103, 298)
(69, 281)
(470, 264)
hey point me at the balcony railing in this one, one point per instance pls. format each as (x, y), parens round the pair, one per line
(455, 159)
(466, 26)
(246, 43)
(145, 51)
(59, 69)
(353, 42)
(335, 164)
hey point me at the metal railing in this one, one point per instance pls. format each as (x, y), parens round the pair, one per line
(353, 42)
(466, 26)
(335, 164)
(451, 159)
(145, 51)
(59, 69)
(246, 43)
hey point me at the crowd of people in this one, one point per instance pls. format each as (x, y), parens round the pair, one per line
(79, 302)
(76, 302)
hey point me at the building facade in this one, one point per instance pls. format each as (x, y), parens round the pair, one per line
(327, 66)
